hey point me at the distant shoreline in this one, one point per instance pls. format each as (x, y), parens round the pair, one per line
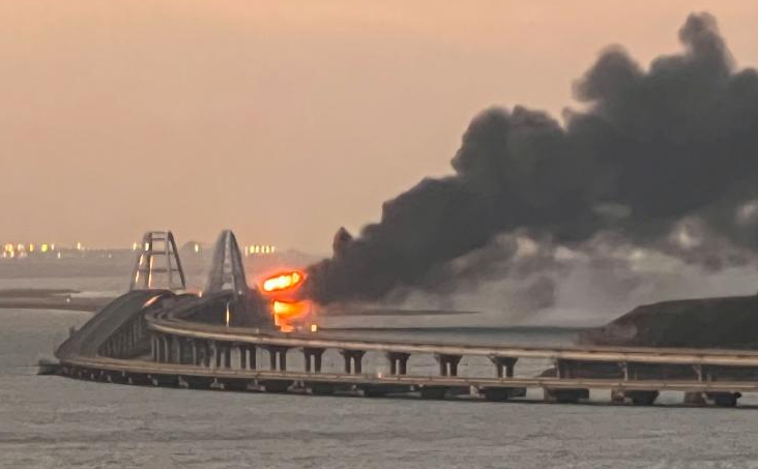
(48, 298)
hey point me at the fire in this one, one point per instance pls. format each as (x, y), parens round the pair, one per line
(284, 281)
(288, 311)
(294, 310)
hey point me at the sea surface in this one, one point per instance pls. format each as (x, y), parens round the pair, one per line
(53, 422)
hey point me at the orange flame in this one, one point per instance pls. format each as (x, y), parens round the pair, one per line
(285, 281)
(289, 312)
(286, 313)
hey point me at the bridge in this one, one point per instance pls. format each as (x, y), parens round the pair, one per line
(224, 339)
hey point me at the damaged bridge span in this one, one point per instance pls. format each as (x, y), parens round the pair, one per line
(163, 337)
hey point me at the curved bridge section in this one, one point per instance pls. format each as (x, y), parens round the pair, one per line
(204, 356)
(124, 314)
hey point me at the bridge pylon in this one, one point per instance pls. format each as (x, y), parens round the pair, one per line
(157, 265)
(227, 271)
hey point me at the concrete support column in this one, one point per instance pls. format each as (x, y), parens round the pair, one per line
(182, 350)
(242, 349)
(227, 356)
(158, 348)
(698, 369)
(205, 353)
(275, 351)
(353, 360)
(448, 364)
(563, 369)
(166, 349)
(312, 358)
(215, 354)
(507, 363)
(253, 363)
(398, 362)
(176, 350)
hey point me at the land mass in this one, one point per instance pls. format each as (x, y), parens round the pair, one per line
(727, 322)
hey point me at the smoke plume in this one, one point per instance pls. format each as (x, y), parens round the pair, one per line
(665, 159)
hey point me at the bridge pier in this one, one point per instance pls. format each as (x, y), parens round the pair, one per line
(154, 347)
(398, 362)
(353, 360)
(312, 358)
(507, 363)
(193, 352)
(275, 351)
(448, 364)
(242, 350)
(216, 354)
(186, 351)
(253, 362)
(227, 350)
(166, 349)
(206, 354)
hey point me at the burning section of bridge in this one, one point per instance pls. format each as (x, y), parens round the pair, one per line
(290, 311)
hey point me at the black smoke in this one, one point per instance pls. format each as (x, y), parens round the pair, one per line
(653, 151)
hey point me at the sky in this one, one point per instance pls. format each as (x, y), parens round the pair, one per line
(280, 120)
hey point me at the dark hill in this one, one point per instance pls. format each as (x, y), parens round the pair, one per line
(730, 322)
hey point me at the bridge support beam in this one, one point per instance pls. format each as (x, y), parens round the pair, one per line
(353, 360)
(313, 358)
(398, 362)
(448, 364)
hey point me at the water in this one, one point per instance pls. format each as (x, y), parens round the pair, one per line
(52, 422)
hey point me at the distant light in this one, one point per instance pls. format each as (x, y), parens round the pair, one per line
(19, 247)
(52, 247)
(135, 246)
(79, 246)
(59, 255)
(314, 328)
(197, 248)
(273, 249)
(44, 247)
(31, 247)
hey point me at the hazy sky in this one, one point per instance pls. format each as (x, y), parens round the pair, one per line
(280, 120)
